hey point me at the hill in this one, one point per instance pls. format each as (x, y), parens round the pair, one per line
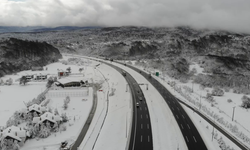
(17, 55)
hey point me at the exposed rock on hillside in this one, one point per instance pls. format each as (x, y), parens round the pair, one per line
(17, 55)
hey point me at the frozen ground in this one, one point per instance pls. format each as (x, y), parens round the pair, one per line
(220, 107)
(113, 115)
(13, 97)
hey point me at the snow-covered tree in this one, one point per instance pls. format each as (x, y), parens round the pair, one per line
(23, 80)
(217, 92)
(66, 102)
(245, 102)
(56, 112)
(64, 117)
(44, 132)
(51, 80)
(80, 70)
(69, 69)
(1, 82)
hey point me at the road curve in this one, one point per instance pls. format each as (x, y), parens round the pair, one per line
(190, 134)
(141, 132)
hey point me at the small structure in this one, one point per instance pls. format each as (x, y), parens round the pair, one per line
(36, 108)
(36, 68)
(62, 73)
(14, 133)
(40, 77)
(47, 118)
(29, 77)
(71, 82)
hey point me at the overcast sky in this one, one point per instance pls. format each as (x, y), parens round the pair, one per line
(233, 15)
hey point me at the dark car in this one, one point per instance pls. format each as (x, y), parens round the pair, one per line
(124, 73)
(149, 76)
(140, 98)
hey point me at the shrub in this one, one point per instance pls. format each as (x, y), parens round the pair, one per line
(209, 97)
(245, 102)
(62, 128)
(44, 132)
(217, 92)
(64, 117)
(112, 93)
(229, 100)
(66, 102)
(227, 89)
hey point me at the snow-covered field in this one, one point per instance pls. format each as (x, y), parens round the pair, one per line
(220, 108)
(111, 123)
(14, 97)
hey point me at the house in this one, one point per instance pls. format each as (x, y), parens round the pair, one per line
(29, 77)
(40, 77)
(62, 73)
(71, 82)
(36, 108)
(14, 133)
(47, 118)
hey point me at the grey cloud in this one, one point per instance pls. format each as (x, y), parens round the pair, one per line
(214, 14)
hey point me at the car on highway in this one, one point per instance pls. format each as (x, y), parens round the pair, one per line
(149, 76)
(137, 104)
(124, 73)
(140, 98)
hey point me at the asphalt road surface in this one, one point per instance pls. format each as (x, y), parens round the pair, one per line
(141, 132)
(189, 131)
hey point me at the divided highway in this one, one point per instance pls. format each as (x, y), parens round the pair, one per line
(141, 132)
(189, 131)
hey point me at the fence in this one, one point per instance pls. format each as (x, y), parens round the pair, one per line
(62, 93)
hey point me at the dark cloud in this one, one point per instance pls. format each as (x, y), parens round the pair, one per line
(213, 14)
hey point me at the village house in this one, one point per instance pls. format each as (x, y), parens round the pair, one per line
(13, 134)
(71, 82)
(36, 109)
(46, 118)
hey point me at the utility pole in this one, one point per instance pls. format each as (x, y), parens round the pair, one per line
(213, 133)
(233, 113)
(200, 100)
(192, 87)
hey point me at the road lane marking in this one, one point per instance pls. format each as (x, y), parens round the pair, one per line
(182, 126)
(188, 126)
(187, 139)
(194, 139)
(183, 117)
(177, 116)
(141, 138)
(178, 108)
(173, 108)
(148, 126)
(141, 116)
(148, 139)
(147, 116)
(141, 126)
(145, 108)
(140, 108)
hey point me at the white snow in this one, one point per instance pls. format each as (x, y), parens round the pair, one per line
(111, 123)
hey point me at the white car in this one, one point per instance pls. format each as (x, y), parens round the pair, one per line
(137, 104)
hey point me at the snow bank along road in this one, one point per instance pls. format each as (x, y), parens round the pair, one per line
(87, 124)
(189, 131)
(141, 132)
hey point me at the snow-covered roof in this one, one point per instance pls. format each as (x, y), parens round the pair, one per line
(47, 116)
(14, 132)
(37, 108)
(71, 79)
